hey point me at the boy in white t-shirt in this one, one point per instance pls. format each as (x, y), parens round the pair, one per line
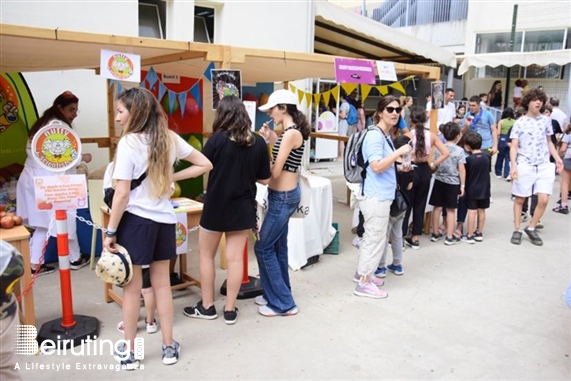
(531, 170)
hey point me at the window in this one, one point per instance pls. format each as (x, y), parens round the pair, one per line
(152, 19)
(203, 24)
(526, 41)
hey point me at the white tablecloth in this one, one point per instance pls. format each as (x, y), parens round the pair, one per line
(307, 236)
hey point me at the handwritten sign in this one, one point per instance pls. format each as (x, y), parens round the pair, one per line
(386, 71)
(60, 192)
(56, 147)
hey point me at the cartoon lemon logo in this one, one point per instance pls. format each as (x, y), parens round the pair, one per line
(120, 66)
(181, 234)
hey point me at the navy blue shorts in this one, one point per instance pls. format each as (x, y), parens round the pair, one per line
(146, 241)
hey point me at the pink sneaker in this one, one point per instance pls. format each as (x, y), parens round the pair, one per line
(370, 290)
(376, 281)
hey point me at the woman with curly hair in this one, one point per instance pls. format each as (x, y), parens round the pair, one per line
(240, 158)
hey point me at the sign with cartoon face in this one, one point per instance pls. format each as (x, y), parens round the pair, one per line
(120, 66)
(56, 147)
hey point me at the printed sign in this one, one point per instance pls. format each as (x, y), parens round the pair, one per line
(354, 71)
(171, 78)
(387, 71)
(181, 233)
(56, 147)
(120, 66)
(251, 110)
(437, 92)
(60, 192)
(225, 83)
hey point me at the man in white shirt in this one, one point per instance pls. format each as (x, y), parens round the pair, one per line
(445, 114)
(557, 114)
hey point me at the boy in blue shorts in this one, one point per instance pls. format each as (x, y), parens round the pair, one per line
(477, 186)
(449, 184)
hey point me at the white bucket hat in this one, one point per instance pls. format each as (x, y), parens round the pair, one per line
(115, 268)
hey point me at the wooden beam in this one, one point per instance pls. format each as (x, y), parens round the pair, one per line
(168, 58)
(101, 142)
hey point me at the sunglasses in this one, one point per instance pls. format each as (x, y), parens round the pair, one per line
(390, 109)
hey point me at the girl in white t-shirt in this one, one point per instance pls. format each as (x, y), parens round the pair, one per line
(143, 220)
(565, 153)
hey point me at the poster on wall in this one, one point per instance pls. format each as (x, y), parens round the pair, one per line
(120, 66)
(348, 70)
(225, 83)
(437, 92)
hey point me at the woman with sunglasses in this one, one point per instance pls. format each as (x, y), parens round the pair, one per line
(378, 193)
(64, 109)
(422, 143)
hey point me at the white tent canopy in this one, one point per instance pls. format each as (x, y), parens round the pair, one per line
(343, 33)
(509, 59)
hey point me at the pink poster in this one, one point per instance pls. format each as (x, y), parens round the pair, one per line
(354, 71)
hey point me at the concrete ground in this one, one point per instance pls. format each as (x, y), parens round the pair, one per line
(490, 310)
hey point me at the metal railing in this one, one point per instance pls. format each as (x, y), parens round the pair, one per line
(496, 113)
(403, 13)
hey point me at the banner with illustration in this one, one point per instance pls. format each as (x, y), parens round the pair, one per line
(120, 66)
(17, 114)
(225, 83)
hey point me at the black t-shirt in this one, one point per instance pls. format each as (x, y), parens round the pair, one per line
(477, 176)
(230, 202)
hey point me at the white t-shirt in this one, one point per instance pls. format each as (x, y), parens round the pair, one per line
(567, 139)
(560, 117)
(445, 114)
(131, 162)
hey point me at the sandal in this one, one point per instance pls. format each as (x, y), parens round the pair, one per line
(457, 234)
(442, 230)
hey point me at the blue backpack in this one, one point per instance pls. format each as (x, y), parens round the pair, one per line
(352, 116)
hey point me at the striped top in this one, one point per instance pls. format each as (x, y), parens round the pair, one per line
(293, 161)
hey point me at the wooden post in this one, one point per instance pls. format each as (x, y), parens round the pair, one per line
(111, 118)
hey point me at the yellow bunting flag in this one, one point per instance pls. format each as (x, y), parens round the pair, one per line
(384, 90)
(326, 96)
(348, 87)
(335, 92)
(300, 95)
(308, 99)
(398, 86)
(292, 88)
(316, 99)
(365, 90)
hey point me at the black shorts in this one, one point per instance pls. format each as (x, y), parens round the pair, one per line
(478, 204)
(146, 241)
(444, 195)
(146, 278)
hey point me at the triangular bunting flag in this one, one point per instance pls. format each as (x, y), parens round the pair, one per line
(162, 91)
(335, 93)
(326, 96)
(398, 86)
(182, 102)
(300, 94)
(348, 87)
(151, 77)
(143, 84)
(111, 82)
(365, 90)
(195, 92)
(207, 73)
(316, 99)
(172, 100)
(292, 88)
(308, 99)
(384, 90)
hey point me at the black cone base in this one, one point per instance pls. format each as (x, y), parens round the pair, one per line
(85, 327)
(247, 290)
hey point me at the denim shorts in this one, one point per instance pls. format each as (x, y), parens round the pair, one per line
(146, 241)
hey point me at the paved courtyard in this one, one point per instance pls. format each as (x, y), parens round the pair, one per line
(486, 311)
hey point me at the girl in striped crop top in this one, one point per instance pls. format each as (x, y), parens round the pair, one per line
(283, 198)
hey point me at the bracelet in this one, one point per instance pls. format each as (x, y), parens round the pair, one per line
(110, 233)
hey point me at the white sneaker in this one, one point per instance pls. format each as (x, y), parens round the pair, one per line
(508, 179)
(369, 290)
(152, 327)
(356, 241)
(498, 177)
(491, 200)
(260, 300)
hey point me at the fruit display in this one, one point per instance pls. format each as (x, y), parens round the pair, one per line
(9, 220)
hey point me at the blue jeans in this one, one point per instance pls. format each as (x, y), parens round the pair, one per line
(271, 249)
(503, 158)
